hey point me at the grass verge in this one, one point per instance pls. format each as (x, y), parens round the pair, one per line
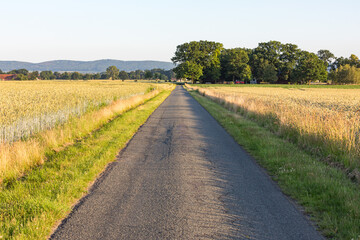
(326, 193)
(32, 205)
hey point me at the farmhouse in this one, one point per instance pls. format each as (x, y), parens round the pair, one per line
(5, 77)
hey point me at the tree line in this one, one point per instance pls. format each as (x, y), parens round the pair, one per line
(271, 62)
(111, 72)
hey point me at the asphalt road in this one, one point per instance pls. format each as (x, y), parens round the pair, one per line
(182, 176)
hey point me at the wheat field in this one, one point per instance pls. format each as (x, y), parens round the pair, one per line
(60, 113)
(322, 120)
(32, 106)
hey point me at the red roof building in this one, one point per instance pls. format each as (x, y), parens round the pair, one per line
(5, 77)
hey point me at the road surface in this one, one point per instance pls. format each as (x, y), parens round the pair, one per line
(183, 176)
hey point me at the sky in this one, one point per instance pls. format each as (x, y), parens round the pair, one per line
(43, 30)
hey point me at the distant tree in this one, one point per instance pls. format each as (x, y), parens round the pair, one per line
(309, 67)
(1, 72)
(234, 64)
(163, 77)
(345, 75)
(76, 76)
(33, 75)
(269, 74)
(96, 76)
(112, 72)
(66, 75)
(104, 75)
(21, 77)
(138, 74)
(47, 75)
(19, 71)
(87, 76)
(57, 75)
(123, 75)
(148, 74)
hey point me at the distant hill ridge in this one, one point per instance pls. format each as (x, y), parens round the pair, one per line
(85, 66)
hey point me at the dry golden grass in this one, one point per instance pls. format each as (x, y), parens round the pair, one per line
(19, 156)
(326, 121)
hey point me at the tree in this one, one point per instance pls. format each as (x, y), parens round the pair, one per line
(148, 74)
(47, 75)
(326, 56)
(76, 76)
(246, 74)
(19, 71)
(33, 75)
(21, 77)
(189, 70)
(87, 76)
(112, 72)
(346, 75)
(269, 74)
(96, 76)
(65, 75)
(234, 64)
(353, 60)
(309, 67)
(123, 75)
(1, 72)
(282, 56)
(204, 55)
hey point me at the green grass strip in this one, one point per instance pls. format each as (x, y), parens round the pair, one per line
(327, 195)
(33, 205)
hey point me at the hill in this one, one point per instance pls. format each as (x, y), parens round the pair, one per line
(84, 66)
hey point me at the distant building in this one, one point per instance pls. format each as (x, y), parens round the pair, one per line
(254, 81)
(6, 77)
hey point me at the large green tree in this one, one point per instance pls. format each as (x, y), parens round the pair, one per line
(269, 74)
(234, 64)
(112, 72)
(189, 70)
(202, 54)
(282, 56)
(309, 68)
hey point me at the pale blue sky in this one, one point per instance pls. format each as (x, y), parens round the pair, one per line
(41, 30)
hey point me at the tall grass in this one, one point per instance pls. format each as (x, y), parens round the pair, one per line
(323, 121)
(18, 157)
